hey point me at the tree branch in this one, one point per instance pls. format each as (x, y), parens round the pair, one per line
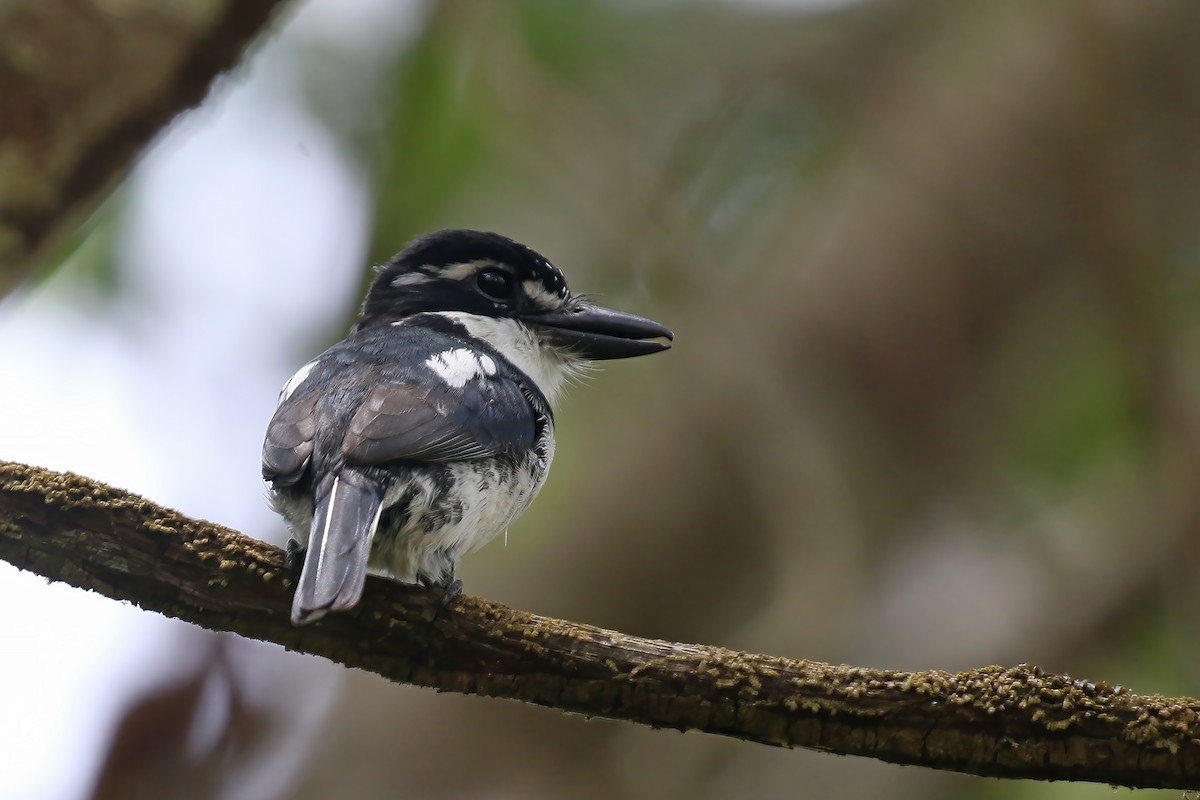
(1014, 723)
(83, 87)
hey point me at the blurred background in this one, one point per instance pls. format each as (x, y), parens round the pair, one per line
(934, 271)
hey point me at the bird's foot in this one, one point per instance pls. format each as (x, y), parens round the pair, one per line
(451, 588)
(293, 558)
(450, 591)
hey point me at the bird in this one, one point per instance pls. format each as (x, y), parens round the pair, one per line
(429, 429)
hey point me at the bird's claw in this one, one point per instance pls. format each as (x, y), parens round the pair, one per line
(293, 558)
(449, 592)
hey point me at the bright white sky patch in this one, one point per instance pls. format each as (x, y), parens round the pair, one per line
(244, 243)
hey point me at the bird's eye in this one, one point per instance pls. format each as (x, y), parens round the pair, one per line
(496, 284)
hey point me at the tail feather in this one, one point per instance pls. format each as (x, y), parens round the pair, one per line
(335, 566)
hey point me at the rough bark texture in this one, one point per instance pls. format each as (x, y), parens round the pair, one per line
(84, 85)
(1007, 722)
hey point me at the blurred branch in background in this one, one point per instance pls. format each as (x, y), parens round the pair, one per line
(1014, 723)
(83, 89)
(936, 268)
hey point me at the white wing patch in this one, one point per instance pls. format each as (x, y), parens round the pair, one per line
(294, 382)
(548, 367)
(459, 366)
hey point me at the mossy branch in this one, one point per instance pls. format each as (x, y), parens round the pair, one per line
(84, 85)
(1006, 722)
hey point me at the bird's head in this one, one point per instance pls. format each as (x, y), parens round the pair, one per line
(487, 282)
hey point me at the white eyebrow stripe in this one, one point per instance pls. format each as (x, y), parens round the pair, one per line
(457, 272)
(535, 289)
(410, 279)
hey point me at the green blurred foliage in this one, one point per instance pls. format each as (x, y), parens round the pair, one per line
(933, 402)
(436, 141)
(932, 267)
(1067, 397)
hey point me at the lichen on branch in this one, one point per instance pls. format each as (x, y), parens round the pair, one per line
(1015, 722)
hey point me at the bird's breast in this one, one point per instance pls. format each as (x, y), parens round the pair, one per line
(435, 514)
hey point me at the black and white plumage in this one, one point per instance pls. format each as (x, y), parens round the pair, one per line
(428, 430)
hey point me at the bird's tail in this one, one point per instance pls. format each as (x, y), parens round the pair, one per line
(335, 566)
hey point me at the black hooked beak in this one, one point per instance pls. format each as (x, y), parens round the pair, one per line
(598, 333)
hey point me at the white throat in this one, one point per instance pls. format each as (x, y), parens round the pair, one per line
(547, 367)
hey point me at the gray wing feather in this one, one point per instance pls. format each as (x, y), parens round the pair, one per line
(403, 421)
(289, 441)
(400, 421)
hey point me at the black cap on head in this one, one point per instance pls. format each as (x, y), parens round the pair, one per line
(436, 272)
(447, 248)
